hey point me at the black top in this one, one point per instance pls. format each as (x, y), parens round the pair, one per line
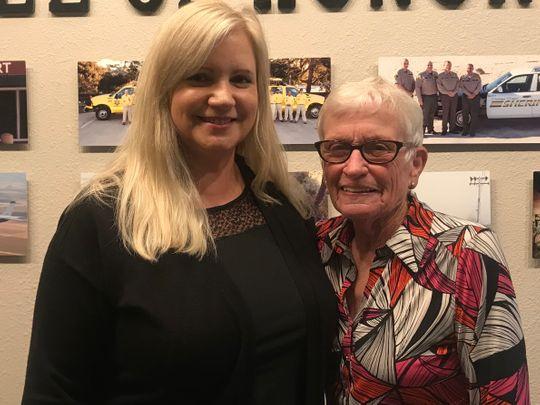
(112, 328)
(254, 262)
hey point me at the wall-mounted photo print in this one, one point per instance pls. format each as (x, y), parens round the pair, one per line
(298, 89)
(13, 214)
(13, 107)
(316, 192)
(472, 99)
(466, 195)
(536, 216)
(106, 100)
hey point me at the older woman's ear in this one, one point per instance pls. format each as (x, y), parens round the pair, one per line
(418, 162)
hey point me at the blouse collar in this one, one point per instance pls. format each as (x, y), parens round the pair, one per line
(409, 242)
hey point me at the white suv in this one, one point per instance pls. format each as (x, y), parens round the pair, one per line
(515, 94)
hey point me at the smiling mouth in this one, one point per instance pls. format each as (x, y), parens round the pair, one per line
(359, 190)
(217, 120)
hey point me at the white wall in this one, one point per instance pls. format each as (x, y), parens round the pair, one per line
(353, 38)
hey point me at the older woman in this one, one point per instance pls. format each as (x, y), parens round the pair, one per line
(427, 310)
(181, 276)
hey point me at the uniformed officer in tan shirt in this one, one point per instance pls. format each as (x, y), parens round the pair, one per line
(448, 85)
(470, 84)
(426, 92)
(405, 78)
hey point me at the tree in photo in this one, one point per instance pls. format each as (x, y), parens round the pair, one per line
(90, 74)
(303, 72)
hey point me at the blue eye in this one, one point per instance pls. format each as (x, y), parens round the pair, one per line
(199, 78)
(242, 80)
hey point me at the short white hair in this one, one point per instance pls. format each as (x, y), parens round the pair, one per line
(374, 96)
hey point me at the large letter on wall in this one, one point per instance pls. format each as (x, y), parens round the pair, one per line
(403, 3)
(264, 6)
(17, 10)
(377, 4)
(499, 3)
(334, 5)
(450, 3)
(56, 7)
(150, 7)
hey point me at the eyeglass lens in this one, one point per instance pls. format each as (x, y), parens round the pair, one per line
(373, 151)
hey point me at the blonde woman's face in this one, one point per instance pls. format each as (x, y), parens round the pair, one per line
(215, 109)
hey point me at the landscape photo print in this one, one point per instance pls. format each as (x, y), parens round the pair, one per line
(478, 99)
(13, 214)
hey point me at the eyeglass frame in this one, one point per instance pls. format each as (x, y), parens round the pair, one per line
(359, 147)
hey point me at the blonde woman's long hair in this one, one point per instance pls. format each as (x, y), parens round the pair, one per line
(157, 205)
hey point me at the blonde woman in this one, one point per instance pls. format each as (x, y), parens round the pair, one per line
(185, 274)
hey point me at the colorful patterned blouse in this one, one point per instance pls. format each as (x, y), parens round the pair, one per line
(439, 322)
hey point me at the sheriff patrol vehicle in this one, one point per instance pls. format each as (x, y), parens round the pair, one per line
(515, 94)
(105, 105)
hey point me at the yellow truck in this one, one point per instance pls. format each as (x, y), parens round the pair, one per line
(314, 101)
(105, 105)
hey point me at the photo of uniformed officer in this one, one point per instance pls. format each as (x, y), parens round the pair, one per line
(405, 79)
(301, 101)
(447, 84)
(276, 103)
(289, 102)
(427, 94)
(298, 89)
(470, 85)
(472, 98)
(107, 100)
(128, 101)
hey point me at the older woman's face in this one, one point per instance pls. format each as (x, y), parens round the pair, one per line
(363, 191)
(215, 109)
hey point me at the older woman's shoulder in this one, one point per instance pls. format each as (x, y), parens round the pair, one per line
(445, 222)
(437, 221)
(452, 230)
(325, 227)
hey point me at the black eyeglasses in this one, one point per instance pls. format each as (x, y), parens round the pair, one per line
(377, 152)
